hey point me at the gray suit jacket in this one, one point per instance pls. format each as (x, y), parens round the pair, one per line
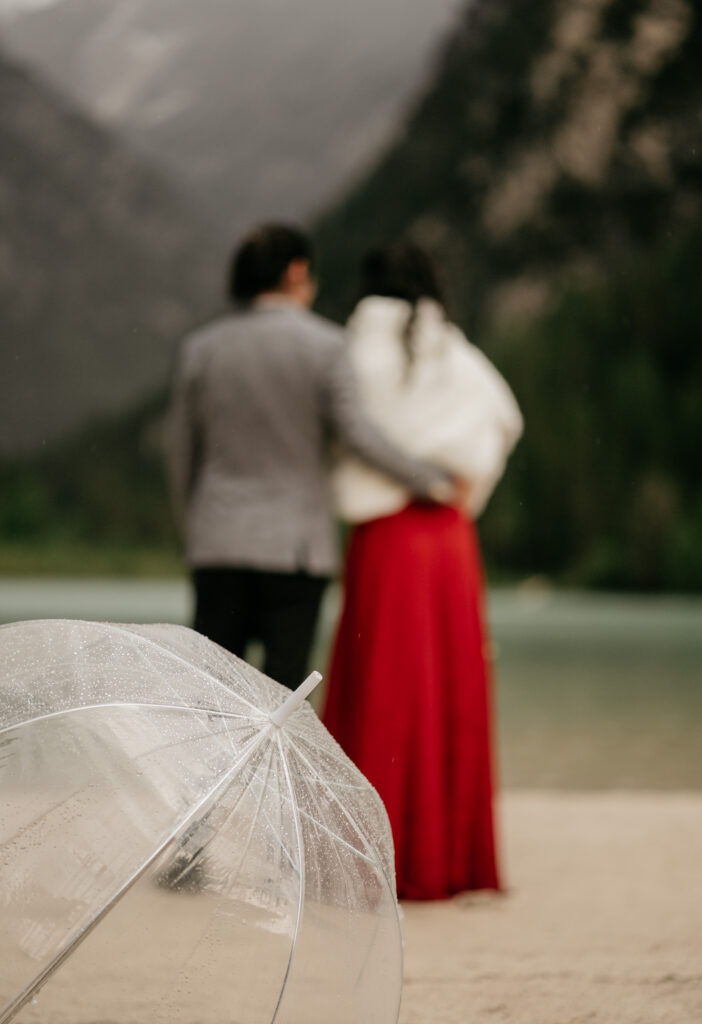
(257, 398)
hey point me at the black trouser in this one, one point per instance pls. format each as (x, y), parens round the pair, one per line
(279, 609)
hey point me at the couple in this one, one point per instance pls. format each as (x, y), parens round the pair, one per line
(278, 418)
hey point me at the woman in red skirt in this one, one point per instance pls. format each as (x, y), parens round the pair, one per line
(409, 686)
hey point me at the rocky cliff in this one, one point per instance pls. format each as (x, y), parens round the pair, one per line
(557, 141)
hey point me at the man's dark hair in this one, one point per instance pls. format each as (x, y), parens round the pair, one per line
(261, 259)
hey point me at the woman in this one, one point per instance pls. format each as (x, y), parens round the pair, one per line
(408, 696)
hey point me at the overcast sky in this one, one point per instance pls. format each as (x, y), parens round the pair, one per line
(8, 6)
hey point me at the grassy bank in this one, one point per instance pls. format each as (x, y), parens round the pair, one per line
(87, 560)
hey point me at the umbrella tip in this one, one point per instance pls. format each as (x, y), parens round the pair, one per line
(280, 716)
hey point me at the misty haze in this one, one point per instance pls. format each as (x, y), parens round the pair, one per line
(261, 107)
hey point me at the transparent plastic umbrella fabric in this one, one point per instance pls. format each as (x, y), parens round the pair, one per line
(169, 853)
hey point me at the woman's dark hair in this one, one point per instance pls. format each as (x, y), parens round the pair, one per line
(402, 270)
(260, 261)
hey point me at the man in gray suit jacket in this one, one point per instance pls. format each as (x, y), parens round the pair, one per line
(258, 396)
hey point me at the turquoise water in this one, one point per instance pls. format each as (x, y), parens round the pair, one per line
(593, 690)
(598, 691)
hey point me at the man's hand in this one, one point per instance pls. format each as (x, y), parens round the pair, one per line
(454, 491)
(461, 493)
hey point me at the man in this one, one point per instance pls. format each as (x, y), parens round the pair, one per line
(258, 395)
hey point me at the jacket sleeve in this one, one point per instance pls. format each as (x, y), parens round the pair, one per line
(183, 434)
(353, 428)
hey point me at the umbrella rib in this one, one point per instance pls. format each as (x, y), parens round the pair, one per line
(11, 1009)
(337, 838)
(352, 821)
(301, 872)
(201, 850)
(347, 814)
(256, 815)
(137, 759)
(177, 657)
(232, 811)
(344, 761)
(122, 704)
(149, 641)
(145, 653)
(318, 824)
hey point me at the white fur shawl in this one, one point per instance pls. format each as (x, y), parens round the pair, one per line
(450, 406)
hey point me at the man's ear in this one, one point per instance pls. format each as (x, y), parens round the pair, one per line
(296, 274)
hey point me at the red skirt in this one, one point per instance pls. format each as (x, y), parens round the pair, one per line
(409, 699)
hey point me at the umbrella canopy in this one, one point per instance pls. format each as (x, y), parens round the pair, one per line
(181, 840)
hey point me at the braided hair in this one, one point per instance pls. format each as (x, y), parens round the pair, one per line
(402, 270)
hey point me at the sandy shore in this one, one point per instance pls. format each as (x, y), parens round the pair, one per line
(602, 921)
(602, 924)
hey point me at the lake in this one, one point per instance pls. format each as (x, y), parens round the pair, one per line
(593, 690)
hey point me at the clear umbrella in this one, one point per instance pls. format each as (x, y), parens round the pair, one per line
(181, 840)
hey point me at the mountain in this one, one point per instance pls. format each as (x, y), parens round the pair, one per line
(261, 107)
(554, 167)
(102, 268)
(556, 141)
